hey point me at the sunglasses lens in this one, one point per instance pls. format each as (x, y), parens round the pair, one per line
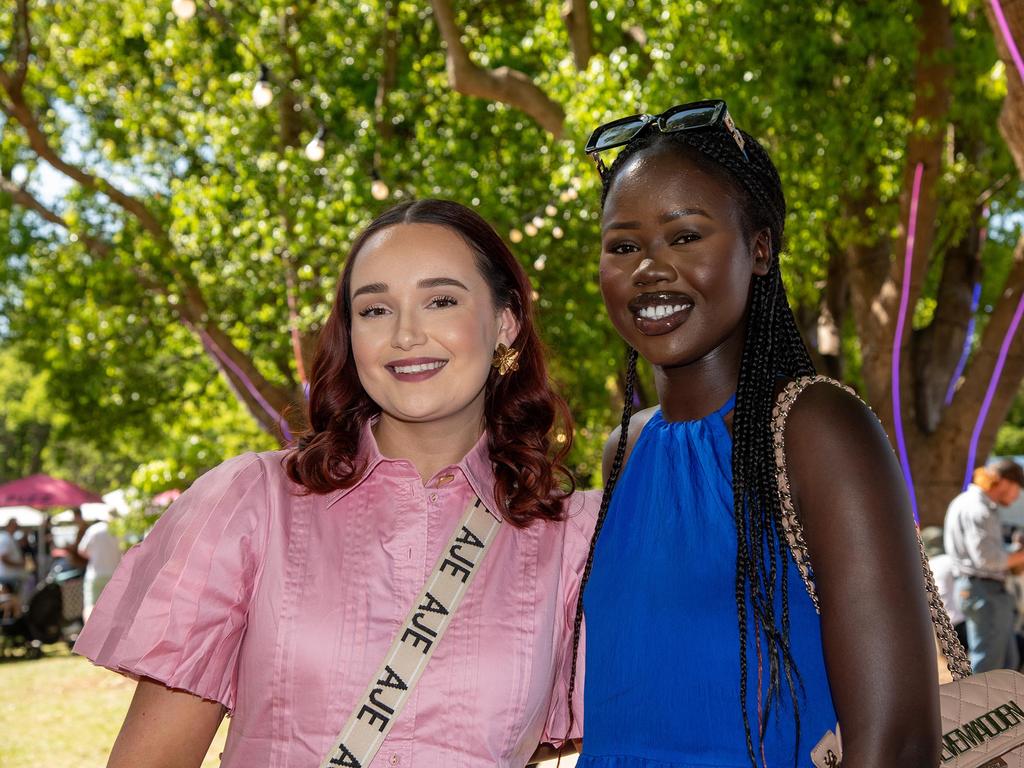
(698, 117)
(615, 135)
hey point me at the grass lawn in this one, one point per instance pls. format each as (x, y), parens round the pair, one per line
(62, 710)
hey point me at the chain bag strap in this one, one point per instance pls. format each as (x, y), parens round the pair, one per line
(982, 715)
(391, 685)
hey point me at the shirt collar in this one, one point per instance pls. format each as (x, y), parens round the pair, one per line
(984, 497)
(475, 466)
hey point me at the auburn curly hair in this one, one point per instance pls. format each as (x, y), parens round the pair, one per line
(521, 409)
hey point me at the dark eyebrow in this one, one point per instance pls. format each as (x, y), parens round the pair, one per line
(437, 282)
(664, 219)
(370, 288)
(430, 282)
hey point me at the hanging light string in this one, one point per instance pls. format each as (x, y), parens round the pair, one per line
(897, 341)
(263, 91)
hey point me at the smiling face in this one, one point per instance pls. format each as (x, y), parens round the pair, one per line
(676, 261)
(424, 324)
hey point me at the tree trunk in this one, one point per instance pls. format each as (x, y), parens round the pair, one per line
(939, 462)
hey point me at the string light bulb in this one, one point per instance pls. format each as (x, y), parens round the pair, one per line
(262, 94)
(564, 196)
(184, 9)
(550, 210)
(516, 236)
(557, 233)
(572, 193)
(539, 263)
(530, 229)
(379, 189)
(316, 149)
(538, 221)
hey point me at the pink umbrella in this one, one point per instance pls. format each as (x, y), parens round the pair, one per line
(42, 491)
(164, 499)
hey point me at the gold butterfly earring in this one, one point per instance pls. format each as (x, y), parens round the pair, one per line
(505, 359)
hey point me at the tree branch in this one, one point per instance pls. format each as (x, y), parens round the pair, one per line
(877, 270)
(388, 73)
(26, 199)
(289, 106)
(937, 349)
(576, 15)
(193, 310)
(832, 314)
(19, 110)
(508, 86)
(1011, 120)
(22, 46)
(982, 366)
(932, 79)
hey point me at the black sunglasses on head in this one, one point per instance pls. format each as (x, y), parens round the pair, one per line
(696, 115)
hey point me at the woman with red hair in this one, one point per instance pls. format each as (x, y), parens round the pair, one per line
(274, 587)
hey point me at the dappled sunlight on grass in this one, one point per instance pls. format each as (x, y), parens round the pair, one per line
(62, 710)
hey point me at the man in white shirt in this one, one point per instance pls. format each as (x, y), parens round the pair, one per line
(973, 537)
(12, 561)
(102, 551)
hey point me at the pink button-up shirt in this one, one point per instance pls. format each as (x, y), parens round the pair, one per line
(280, 606)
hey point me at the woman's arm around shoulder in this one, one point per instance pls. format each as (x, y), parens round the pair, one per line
(878, 641)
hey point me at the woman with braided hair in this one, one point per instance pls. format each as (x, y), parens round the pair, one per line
(704, 648)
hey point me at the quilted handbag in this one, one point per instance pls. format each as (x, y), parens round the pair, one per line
(982, 715)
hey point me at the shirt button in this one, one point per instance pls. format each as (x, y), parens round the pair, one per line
(395, 760)
(433, 497)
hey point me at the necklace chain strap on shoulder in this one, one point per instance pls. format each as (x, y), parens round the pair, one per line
(956, 657)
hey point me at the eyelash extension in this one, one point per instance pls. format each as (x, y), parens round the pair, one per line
(370, 311)
(450, 299)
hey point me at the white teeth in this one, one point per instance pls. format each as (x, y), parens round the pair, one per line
(419, 368)
(658, 311)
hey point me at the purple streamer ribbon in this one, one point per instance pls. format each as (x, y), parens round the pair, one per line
(210, 344)
(897, 341)
(990, 393)
(997, 9)
(962, 363)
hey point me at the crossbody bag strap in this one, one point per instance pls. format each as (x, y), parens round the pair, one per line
(417, 639)
(956, 657)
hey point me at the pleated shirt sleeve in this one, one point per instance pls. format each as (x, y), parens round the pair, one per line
(175, 610)
(581, 515)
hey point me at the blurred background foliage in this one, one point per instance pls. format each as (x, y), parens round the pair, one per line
(103, 382)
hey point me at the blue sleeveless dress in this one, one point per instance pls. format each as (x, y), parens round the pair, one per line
(662, 636)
